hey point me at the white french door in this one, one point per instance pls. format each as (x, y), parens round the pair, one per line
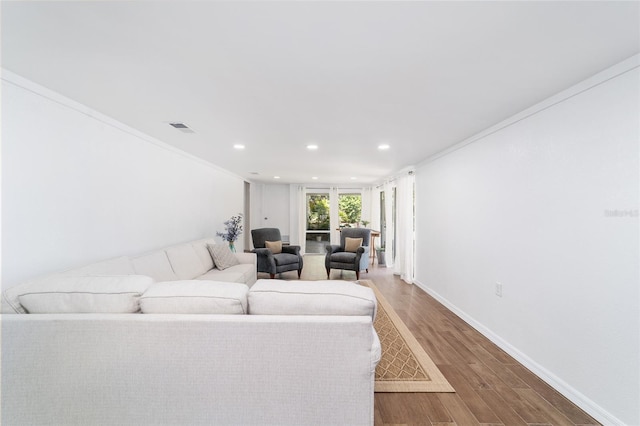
(328, 210)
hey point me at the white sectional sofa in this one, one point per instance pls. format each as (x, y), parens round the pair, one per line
(187, 261)
(136, 341)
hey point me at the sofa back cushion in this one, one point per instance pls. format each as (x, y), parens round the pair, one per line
(89, 294)
(155, 265)
(200, 246)
(329, 297)
(195, 297)
(116, 266)
(185, 262)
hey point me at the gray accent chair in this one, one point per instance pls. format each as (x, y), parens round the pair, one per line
(338, 258)
(289, 260)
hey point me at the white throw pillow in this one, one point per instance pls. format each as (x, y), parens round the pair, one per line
(195, 297)
(329, 297)
(222, 256)
(97, 294)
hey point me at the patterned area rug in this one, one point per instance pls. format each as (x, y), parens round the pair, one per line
(404, 366)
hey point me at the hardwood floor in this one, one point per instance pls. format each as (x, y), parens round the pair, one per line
(492, 388)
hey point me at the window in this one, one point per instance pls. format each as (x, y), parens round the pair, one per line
(350, 209)
(388, 221)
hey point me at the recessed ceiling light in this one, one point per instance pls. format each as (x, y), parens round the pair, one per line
(314, 177)
(312, 147)
(353, 178)
(238, 146)
(383, 147)
(276, 177)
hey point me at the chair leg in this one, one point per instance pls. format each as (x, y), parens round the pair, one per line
(328, 272)
(272, 276)
(367, 270)
(299, 273)
(357, 275)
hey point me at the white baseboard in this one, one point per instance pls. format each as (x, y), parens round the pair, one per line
(593, 409)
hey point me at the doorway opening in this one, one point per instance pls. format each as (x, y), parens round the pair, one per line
(318, 229)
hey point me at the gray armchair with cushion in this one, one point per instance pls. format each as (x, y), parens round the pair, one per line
(279, 258)
(352, 254)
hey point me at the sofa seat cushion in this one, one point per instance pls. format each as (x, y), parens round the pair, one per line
(285, 259)
(195, 297)
(343, 257)
(328, 297)
(241, 273)
(70, 294)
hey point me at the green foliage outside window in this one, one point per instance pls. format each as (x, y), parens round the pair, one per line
(317, 212)
(350, 209)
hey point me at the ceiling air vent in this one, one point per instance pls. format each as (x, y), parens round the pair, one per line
(182, 127)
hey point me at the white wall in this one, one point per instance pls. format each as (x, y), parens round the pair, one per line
(78, 187)
(529, 204)
(270, 207)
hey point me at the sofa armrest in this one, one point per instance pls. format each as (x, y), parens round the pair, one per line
(330, 249)
(291, 250)
(247, 258)
(359, 253)
(263, 252)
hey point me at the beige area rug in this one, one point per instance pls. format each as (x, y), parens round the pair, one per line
(404, 366)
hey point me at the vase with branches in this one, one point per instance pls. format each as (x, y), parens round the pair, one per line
(233, 229)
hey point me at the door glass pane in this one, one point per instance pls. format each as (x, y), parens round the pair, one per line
(318, 220)
(350, 210)
(318, 212)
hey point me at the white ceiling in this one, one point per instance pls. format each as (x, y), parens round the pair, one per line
(347, 76)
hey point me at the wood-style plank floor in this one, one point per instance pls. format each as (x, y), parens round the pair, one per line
(492, 388)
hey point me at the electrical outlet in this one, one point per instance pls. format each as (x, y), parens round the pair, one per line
(498, 289)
